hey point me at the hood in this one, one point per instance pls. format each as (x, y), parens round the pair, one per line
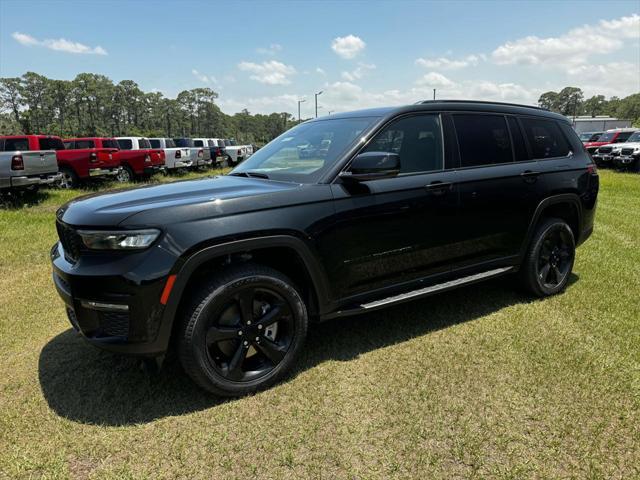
(626, 145)
(157, 204)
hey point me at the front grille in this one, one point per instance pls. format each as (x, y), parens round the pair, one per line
(627, 151)
(605, 149)
(114, 324)
(71, 241)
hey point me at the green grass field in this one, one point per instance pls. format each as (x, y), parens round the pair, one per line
(480, 382)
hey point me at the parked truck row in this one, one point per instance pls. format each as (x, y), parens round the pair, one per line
(618, 148)
(29, 161)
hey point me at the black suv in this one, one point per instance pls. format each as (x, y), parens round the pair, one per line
(338, 216)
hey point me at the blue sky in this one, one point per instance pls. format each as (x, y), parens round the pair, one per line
(265, 55)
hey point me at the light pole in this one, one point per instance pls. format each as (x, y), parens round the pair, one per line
(330, 112)
(434, 93)
(299, 102)
(319, 93)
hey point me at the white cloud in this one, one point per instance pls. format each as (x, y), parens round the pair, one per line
(202, 77)
(270, 50)
(265, 104)
(358, 72)
(348, 47)
(271, 73)
(434, 80)
(60, 44)
(448, 64)
(321, 71)
(572, 48)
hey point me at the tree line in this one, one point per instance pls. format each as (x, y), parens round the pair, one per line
(570, 101)
(92, 105)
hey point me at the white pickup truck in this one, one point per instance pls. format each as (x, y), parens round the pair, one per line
(200, 155)
(206, 151)
(235, 153)
(28, 161)
(175, 157)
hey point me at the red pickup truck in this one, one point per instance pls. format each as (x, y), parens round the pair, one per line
(84, 158)
(138, 159)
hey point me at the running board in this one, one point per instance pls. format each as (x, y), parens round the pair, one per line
(422, 292)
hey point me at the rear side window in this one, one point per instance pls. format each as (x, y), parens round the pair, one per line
(69, 145)
(144, 143)
(11, 144)
(169, 143)
(221, 143)
(154, 143)
(198, 143)
(482, 140)
(545, 138)
(183, 142)
(211, 143)
(109, 144)
(571, 135)
(84, 144)
(519, 147)
(125, 143)
(51, 144)
(417, 139)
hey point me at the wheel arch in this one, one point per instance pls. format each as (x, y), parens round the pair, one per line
(566, 206)
(286, 253)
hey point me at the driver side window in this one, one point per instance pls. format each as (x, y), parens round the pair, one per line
(416, 139)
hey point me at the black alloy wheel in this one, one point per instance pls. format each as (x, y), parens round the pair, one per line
(243, 330)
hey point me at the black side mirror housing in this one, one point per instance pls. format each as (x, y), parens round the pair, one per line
(372, 166)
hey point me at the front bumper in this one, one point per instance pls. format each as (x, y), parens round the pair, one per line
(625, 160)
(30, 180)
(602, 159)
(113, 300)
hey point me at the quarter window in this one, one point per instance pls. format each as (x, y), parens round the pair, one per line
(545, 137)
(417, 140)
(482, 140)
(155, 143)
(68, 145)
(198, 143)
(84, 144)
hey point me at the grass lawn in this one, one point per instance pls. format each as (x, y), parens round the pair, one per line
(479, 382)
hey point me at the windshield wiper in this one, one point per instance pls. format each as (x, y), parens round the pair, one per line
(250, 174)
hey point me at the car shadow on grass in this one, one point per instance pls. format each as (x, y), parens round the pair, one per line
(17, 199)
(90, 386)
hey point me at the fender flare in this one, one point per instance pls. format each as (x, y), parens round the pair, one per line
(570, 198)
(190, 265)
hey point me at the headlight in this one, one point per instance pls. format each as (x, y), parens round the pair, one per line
(122, 240)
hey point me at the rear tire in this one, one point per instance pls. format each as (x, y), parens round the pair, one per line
(549, 259)
(69, 178)
(242, 331)
(125, 174)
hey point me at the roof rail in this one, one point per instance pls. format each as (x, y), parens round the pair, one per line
(483, 102)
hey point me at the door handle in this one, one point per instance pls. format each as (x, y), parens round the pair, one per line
(438, 187)
(529, 176)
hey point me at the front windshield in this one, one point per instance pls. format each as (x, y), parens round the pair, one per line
(585, 136)
(634, 138)
(304, 153)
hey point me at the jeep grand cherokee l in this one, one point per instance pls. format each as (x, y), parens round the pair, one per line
(397, 204)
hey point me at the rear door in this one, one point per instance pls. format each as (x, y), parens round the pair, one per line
(499, 188)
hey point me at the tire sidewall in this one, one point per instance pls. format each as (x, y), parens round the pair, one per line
(542, 233)
(217, 299)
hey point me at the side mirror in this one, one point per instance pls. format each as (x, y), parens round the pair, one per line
(371, 166)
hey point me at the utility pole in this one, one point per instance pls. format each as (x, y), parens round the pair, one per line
(319, 93)
(434, 93)
(299, 102)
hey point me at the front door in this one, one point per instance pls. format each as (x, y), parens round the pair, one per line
(389, 231)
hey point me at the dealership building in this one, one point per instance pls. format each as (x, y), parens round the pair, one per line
(597, 124)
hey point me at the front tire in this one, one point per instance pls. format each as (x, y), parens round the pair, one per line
(243, 330)
(549, 260)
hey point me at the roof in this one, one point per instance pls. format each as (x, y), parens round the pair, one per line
(449, 106)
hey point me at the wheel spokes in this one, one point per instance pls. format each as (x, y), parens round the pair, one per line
(544, 272)
(271, 350)
(234, 367)
(271, 316)
(245, 302)
(218, 334)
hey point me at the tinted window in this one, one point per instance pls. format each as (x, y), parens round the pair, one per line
(623, 137)
(84, 144)
(545, 138)
(211, 143)
(109, 144)
(143, 143)
(125, 144)
(68, 145)
(519, 147)
(416, 139)
(51, 144)
(154, 143)
(570, 134)
(482, 139)
(11, 144)
(221, 143)
(169, 143)
(183, 142)
(198, 143)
